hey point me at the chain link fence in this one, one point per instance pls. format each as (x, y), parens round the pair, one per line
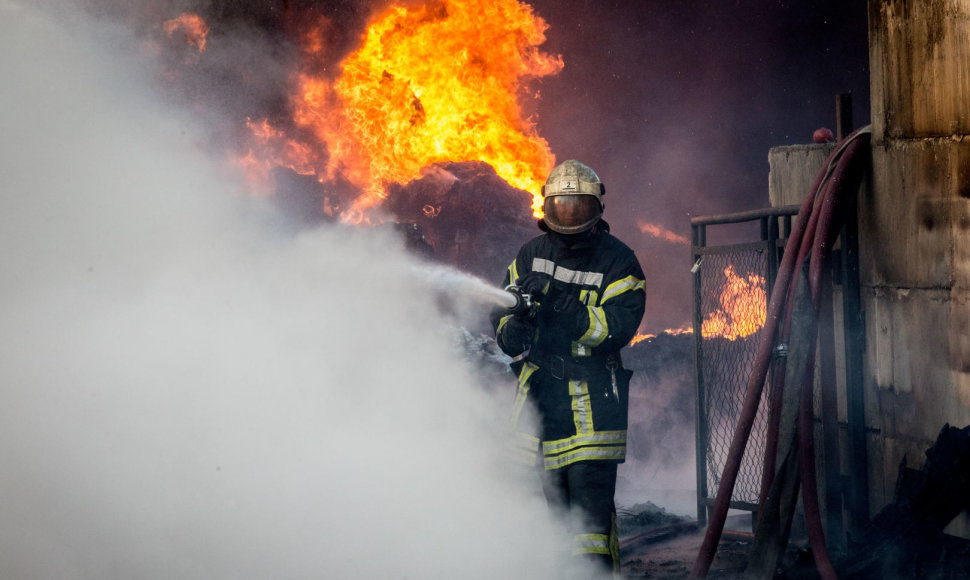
(732, 283)
(726, 364)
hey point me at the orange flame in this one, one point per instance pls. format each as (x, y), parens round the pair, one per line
(743, 307)
(742, 312)
(271, 144)
(640, 337)
(661, 233)
(192, 26)
(432, 82)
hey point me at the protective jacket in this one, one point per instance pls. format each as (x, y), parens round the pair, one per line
(591, 293)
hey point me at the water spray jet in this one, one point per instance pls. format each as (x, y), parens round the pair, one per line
(457, 282)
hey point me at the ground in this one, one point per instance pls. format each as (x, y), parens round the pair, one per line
(674, 557)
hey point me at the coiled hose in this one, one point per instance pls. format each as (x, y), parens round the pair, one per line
(814, 232)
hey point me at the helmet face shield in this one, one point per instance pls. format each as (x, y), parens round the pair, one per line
(571, 214)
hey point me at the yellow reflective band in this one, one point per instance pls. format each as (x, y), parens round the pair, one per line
(521, 393)
(591, 544)
(513, 272)
(526, 441)
(622, 286)
(525, 448)
(597, 438)
(582, 409)
(598, 329)
(584, 454)
(501, 323)
(524, 459)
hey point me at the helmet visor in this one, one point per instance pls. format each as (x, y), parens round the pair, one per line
(571, 214)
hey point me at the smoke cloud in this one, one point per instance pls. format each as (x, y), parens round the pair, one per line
(188, 389)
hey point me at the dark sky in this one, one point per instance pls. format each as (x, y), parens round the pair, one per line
(676, 105)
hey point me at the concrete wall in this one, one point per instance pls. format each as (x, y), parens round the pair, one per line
(792, 170)
(919, 70)
(914, 232)
(914, 222)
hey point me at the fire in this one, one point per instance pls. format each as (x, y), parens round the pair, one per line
(192, 26)
(640, 337)
(742, 312)
(431, 82)
(270, 142)
(743, 307)
(661, 233)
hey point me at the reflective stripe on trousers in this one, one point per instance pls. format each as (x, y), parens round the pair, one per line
(600, 545)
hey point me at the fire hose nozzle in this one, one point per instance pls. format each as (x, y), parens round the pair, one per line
(524, 306)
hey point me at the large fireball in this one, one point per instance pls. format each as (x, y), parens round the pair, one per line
(434, 82)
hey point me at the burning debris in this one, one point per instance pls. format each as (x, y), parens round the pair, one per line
(381, 127)
(356, 98)
(396, 107)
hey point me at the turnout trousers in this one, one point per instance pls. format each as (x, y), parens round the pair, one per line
(585, 491)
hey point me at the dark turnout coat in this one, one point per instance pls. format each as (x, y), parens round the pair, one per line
(591, 293)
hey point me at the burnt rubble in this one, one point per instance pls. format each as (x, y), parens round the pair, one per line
(906, 539)
(472, 218)
(646, 523)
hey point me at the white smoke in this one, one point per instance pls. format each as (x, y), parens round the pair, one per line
(187, 391)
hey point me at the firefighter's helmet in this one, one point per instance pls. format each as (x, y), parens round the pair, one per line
(572, 198)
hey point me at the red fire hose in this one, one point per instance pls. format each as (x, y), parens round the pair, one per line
(781, 287)
(821, 198)
(815, 230)
(844, 182)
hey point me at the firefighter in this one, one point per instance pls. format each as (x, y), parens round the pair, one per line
(587, 291)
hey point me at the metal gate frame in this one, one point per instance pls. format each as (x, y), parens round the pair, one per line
(775, 226)
(849, 491)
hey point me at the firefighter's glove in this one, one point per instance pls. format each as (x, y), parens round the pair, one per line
(517, 335)
(564, 313)
(532, 284)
